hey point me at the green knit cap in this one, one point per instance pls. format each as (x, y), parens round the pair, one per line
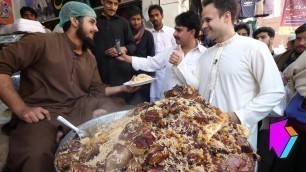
(76, 9)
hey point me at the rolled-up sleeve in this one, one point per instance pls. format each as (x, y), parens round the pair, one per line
(152, 64)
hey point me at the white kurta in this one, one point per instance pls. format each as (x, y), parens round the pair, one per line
(163, 39)
(161, 61)
(244, 77)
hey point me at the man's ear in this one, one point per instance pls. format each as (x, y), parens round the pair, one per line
(227, 17)
(192, 31)
(272, 40)
(74, 21)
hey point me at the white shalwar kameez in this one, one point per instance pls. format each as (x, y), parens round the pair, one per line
(239, 75)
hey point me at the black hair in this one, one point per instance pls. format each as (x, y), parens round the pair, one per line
(223, 6)
(155, 7)
(269, 30)
(67, 25)
(23, 10)
(132, 11)
(300, 29)
(191, 20)
(243, 26)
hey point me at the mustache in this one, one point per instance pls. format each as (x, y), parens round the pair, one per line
(301, 46)
(111, 10)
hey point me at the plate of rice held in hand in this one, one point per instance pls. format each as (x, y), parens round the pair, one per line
(181, 132)
(140, 79)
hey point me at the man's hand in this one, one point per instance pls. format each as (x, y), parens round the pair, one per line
(112, 52)
(34, 114)
(125, 58)
(233, 117)
(286, 79)
(129, 89)
(176, 57)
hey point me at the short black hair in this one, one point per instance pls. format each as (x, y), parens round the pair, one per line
(132, 11)
(23, 10)
(269, 30)
(223, 6)
(243, 26)
(155, 7)
(300, 29)
(191, 20)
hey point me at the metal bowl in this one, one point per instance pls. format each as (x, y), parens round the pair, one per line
(92, 126)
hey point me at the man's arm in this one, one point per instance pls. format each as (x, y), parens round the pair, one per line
(183, 72)
(149, 64)
(110, 91)
(98, 87)
(271, 89)
(11, 98)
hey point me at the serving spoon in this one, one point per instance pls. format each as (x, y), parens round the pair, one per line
(80, 133)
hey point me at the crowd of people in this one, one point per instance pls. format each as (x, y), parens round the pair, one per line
(80, 74)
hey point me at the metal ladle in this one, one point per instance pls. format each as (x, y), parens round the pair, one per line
(81, 133)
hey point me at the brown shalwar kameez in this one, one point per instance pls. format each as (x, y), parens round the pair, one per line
(54, 77)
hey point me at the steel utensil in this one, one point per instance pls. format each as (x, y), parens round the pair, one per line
(81, 133)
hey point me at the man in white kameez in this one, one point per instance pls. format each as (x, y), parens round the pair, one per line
(163, 39)
(188, 50)
(238, 74)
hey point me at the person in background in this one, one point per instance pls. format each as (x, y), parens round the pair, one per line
(30, 14)
(144, 47)
(56, 79)
(185, 54)
(266, 35)
(163, 39)
(290, 42)
(244, 84)
(285, 59)
(58, 29)
(242, 29)
(113, 28)
(295, 78)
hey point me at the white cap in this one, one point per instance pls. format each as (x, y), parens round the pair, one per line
(291, 37)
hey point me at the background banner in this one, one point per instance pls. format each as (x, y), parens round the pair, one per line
(6, 12)
(48, 9)
(294, 15)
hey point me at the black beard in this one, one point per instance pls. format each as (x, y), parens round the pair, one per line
(297, 53)
(87, 42)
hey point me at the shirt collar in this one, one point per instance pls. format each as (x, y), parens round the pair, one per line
(201, 48)
(111, 17)
(72, 45)
(224, 43)
(161, 30)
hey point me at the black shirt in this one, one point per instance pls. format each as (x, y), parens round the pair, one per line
(112, 71)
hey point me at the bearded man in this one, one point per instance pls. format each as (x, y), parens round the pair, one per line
(59, 76)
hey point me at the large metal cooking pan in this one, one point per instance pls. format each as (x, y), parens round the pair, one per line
(92, 126)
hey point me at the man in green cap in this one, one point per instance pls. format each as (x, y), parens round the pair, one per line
(59, 76)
